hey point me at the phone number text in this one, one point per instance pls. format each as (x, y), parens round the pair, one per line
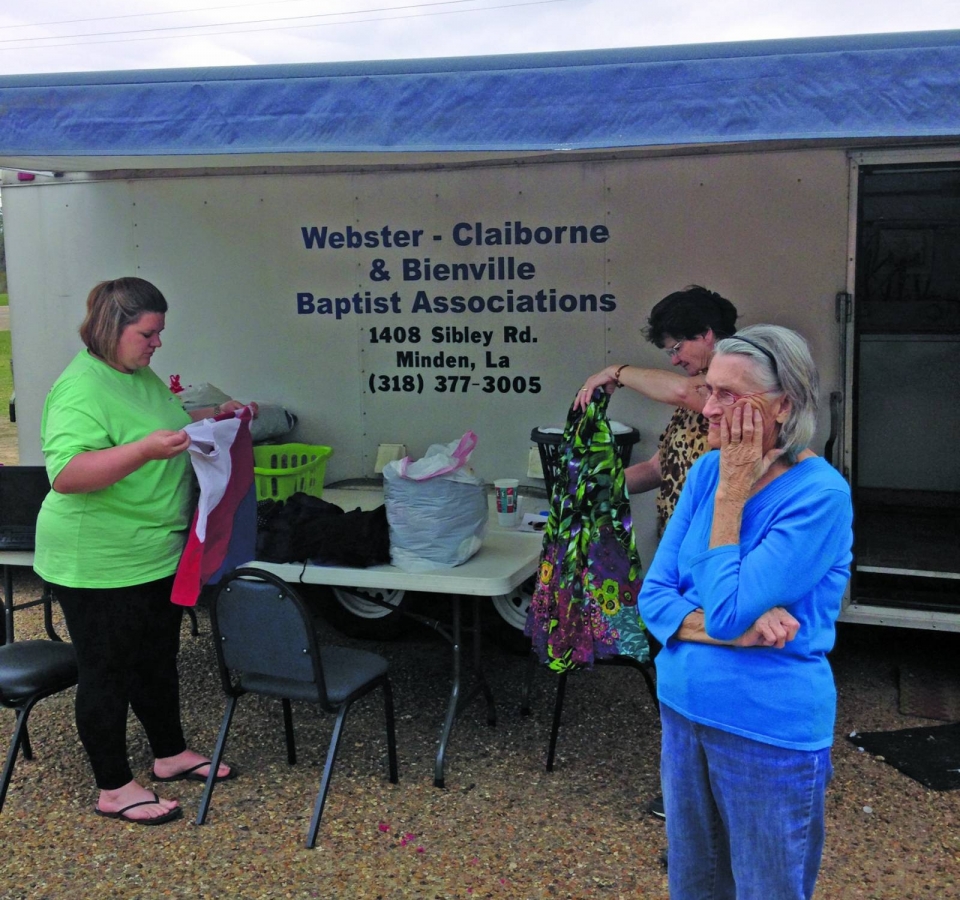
(454, 384)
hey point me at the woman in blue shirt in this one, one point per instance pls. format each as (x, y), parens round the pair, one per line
(743, 593)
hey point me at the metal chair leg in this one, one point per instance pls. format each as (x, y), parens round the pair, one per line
(215, 760)
(528, 684)
(26, 745)
(391, 732)
(327, 773)
(47, 600)
(557, 710)
(19, 736)
(288, 732)
(645, 670)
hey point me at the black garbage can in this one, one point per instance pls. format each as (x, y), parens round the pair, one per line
(548, 443)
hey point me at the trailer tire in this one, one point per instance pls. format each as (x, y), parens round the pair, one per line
(510, 615)
(358, 617)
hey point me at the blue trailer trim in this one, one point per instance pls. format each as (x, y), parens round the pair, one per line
(850, 88)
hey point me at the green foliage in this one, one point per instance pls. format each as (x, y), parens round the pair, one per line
(6, 374)
(4, 299)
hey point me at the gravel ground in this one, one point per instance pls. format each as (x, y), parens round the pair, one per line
(503, 827)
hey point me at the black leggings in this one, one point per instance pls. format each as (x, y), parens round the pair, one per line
(126, 640)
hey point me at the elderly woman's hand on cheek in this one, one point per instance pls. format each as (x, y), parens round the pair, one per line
(742, 460)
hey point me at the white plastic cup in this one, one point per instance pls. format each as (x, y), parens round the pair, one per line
(508, 501)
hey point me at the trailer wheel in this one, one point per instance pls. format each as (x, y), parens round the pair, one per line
(356, 615)
(511, 615)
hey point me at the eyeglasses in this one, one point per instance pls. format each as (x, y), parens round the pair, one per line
(675, 349)
(725, 398)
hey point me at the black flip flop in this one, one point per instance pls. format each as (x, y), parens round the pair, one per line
(170, 816)
(192, 774)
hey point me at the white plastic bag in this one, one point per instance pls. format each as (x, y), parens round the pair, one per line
(272, 420)
(196, 396)
(436, 507)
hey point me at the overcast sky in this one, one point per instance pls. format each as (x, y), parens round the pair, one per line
(97, 35)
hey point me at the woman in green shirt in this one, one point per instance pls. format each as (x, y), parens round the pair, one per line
(109, 539)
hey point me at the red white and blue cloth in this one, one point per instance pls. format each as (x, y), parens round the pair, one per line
(224, 530)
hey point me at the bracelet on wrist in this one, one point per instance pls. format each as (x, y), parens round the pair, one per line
(216, 409)
(616, 375)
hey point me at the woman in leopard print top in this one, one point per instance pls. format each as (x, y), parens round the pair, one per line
(687, 324)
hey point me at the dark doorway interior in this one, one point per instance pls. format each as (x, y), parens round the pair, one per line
(907, 395)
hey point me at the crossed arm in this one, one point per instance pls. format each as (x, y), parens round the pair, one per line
(773, 629)
(743, 467)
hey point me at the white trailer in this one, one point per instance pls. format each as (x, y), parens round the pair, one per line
(399, 252)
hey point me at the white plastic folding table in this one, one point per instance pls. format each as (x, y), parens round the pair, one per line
(507, 558)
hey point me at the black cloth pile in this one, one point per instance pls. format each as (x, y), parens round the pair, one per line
(304, 528)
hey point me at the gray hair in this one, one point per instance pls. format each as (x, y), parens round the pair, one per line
(782, 363)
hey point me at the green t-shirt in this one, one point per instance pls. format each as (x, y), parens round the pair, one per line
(133, 531)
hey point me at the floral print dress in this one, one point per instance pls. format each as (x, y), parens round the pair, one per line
(584, 604)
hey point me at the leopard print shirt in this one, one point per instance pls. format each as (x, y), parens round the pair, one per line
(682, 443)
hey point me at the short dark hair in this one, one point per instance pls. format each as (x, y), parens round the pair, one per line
(111, 306)
(687, 314)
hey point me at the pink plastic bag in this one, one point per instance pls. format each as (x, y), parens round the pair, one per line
(440, 459)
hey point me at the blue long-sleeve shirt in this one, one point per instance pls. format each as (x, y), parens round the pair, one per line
(794, 552)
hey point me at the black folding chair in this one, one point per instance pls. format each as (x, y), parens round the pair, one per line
(30, 671)
(266, 644)
(646, 669)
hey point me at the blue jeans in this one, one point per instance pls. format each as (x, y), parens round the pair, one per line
(744, 819)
